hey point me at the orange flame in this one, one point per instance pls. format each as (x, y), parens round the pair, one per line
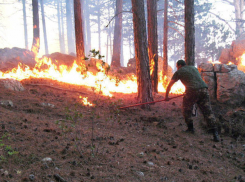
(99, 82)
(177, 88)
(152, 65)
(36, 46)
(85, 101)
(241, 65)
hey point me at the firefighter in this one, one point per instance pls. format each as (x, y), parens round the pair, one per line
(196, 92)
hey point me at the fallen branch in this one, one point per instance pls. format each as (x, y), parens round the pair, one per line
(58, 88)
(59, 178)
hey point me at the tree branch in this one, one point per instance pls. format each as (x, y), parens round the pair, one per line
(177, 31)
(177, 23)
(222, 20)
(179, 2)
(116, 15)
(229, 2)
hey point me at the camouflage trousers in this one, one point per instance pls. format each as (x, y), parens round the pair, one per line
(201, 98)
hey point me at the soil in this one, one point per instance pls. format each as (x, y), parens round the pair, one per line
(48, 134)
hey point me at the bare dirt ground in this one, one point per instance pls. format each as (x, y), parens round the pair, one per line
(49, 135)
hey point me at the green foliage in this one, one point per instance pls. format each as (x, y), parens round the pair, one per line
(71, 120)
(8, 151)
(96, 54)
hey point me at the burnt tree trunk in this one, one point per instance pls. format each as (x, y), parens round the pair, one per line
(44, 28)
(165, 41)
(79, 31)
(36, 36)
(25, 23)
(189, 33)
(141, 53)
(153, 42)
(115, 62)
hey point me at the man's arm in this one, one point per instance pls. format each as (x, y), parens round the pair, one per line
(169, 88)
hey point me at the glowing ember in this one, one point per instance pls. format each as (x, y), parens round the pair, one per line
(85, 101)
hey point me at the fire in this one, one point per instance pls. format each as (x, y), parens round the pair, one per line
(36, 46)
(152, 65)
(99, 82)
(214, 62)
(85, 101)
(177, 88)
(241, 65)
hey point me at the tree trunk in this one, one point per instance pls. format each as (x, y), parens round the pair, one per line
(153, 42)
(189, 33)
(70, 40)
(87, 26)
(25, 23)
(79, 32)
(115, 62)
(36, 37)
(44, 28)
(60, 26)
(239, 8)
(99, 32)
(141, 53)
(165, 40)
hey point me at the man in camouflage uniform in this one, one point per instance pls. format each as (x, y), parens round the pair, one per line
(196, 92)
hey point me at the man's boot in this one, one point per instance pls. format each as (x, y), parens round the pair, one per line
(190, 128)
(216, 135)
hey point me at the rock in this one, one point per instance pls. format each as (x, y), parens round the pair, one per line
(12, 84)
(7, 103)
(31, 177)
(206, 67)
(231, 87)
(63, 59)
(10, 58)
(5, 173)
(46, 159)
(217, 67)
(226, 84)
(237, 48)
(139, 173)
(47, 105)
(225, 68)
(225, 56)
(209, 79)
(235, 51)
(150, 163)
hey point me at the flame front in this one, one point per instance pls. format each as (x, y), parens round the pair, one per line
(99, 82)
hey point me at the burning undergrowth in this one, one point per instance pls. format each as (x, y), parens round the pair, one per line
(59, 131)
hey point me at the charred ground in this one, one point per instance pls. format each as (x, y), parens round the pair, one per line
(49, 135)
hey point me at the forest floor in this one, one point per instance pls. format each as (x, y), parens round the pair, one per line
(47, 135)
